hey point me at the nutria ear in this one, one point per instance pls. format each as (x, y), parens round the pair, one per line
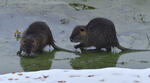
(82, 31)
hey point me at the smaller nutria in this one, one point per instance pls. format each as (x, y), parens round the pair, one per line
(100, 33)
(35, 38)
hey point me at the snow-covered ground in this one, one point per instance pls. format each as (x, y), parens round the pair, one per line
(107, 75)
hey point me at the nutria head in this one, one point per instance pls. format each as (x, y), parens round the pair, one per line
(28, 45)
(79, 34)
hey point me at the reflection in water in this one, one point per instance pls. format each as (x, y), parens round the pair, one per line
(40, 62)
(60, 59)
(97, 60)
(48, 60)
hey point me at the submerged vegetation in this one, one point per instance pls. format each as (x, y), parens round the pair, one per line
(95, 60)
(40, 62)
(79, 6)
(87, 60)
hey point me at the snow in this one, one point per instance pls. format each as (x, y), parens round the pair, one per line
(106, 75)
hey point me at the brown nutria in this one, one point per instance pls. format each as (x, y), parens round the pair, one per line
(99, 32)
(35, 38)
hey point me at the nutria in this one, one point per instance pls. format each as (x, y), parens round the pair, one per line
(35, 38)
(100, 33)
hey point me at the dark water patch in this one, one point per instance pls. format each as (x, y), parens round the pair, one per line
(142, 61)
(135, 60)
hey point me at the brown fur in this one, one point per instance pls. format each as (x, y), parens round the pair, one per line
(99, 32)
(35, 38)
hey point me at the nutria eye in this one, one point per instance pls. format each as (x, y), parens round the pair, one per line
(81, 29)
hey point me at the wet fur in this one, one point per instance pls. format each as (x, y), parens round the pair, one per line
(38, 35)
(100, 32)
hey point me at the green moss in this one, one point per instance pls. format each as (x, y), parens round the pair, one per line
(79, 6)
(95, 60)
(90, 60)
(40, 62)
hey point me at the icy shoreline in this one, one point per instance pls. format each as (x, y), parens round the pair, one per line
(106, 75)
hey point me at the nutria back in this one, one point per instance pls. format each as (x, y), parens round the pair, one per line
(99, 32)
(37, 28)
(102, 33)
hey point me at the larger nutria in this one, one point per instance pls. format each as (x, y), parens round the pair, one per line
(35, 38)
(100, 33)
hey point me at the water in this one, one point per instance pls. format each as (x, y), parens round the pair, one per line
(131, 19)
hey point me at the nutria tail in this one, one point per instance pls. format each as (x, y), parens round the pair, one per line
(62, 49)
(55, 47)
(128, 49)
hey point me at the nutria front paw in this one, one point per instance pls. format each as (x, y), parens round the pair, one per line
(76, 46)
(19, 53)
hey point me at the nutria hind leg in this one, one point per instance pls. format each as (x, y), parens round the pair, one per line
(83, 50)
(108, 49)
(81, 46)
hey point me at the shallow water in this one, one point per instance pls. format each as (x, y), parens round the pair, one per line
(125, 14)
